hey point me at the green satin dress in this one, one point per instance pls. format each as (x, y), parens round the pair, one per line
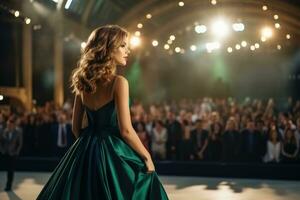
(101, 166)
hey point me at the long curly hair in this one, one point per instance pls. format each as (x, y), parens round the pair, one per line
(96, 62)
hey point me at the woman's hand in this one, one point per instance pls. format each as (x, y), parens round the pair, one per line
(149, 165)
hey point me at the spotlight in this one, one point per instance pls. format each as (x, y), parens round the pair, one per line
(170, 41)
(256, 45)
(237, 47)
(220, 28)
(135, 41)
(229, 49)
(212, 46)
(263, 39)
(140, 25)
(278, 46)
(288, 36)
(277, 25)
(238, 27)
(1, 97)
(244, 43)
(17, 13)
(177, 49)
(200, 29)
(213, 2)
(154, 43)
(181, 3)
(27, 20)
(137, 33)
(172, 37)
(166, 46)
(276, 17)
(252, 47)
(265, 7)
(193, 48)
(149, 16)
(83, 45)
(267, 32)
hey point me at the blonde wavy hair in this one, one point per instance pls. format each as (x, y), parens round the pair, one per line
(96, 61)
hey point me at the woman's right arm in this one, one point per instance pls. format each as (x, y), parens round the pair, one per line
(77, 116)
(121, 94)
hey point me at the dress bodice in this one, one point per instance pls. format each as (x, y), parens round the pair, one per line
(103, 118)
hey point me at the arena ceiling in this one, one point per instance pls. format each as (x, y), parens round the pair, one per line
(167, 16)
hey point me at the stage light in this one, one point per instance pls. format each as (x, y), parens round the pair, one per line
(170, 41)
(238, 27)
(263, 39)
(172, 37)
(288, 36)
(277, 25)
(278, 46)
(267, 32)
(140, 25)
(67, 6)
(276, 17)
(200, 29)
(265, 7)
(181, 3)
(154, 43)
(244, 43)
(149, 16)
(229, 49)
(252, 47)
(166, 46)
(137, 33)
(17, 13)
(256, 45)
(27, 20)
(193, 48)
(177, 49)
(1, 97)
(237, 47)
(212, 46)
(135, 41)
(213, 2)
(220, 28)
(83, 45)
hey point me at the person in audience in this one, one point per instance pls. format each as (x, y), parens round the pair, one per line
(273, 147)
(186, 143)
(261, 131)
(249, 143)
(200, 139)
(11, 141)
(62, 135)
(214, 147)
(174, 130)
(159, 139)
(230, 141)
(290, 147)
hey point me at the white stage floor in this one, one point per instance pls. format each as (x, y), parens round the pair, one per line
(28, 184)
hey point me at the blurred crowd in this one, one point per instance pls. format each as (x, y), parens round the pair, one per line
(205, 129)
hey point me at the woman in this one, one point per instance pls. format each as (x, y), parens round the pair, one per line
(273, 146)
(107, 161)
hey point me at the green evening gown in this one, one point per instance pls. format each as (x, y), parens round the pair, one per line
(101, 166)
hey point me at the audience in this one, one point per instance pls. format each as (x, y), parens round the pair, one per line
(204, 129)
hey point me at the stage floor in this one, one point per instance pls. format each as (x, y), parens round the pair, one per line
(28, 184)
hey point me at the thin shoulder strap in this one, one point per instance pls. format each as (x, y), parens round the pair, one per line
(113, 87)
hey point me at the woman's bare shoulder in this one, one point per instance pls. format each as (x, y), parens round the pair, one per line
(121, 81)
